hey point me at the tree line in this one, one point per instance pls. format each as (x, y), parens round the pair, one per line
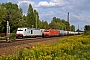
(87, 29)
(17, 19)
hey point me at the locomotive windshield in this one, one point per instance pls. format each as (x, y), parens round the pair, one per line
(20, 30)
(46, 31)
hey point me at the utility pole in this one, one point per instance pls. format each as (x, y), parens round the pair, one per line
(8, 27)
(68, 24)
(78, 28)
(68, 18)
(36, 20)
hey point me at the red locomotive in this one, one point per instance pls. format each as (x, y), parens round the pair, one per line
(50, 32)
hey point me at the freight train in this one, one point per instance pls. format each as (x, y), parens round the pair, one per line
(34, 32)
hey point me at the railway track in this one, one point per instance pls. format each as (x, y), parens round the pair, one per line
(26, 41)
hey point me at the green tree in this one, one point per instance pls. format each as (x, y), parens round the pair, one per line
(24, 20)
(37, 21)
(52, 25)
(30, 17)
(64, 24)
(15, 16)
(87, 29)
(45, 24)
(33, 18)
(57, 23)
(72, 28)
(39, 24)
(2, 18)
(67, 26)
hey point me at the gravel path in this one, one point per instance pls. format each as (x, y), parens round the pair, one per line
(13, 47)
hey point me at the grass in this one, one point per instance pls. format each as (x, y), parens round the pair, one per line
(71, 48)
(11, 37)
(2, 38)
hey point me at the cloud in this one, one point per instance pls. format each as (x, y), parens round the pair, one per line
(25, 2)
(47, 9)
(80, 6)
(24, 5)
(79, 17)
(79, 20)
(88, 19)
(52, 3)
(16, 1)
(50, 13)
(47, 16)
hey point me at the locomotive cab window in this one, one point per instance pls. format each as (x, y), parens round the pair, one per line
(46, 31)
(31, 31)
(20, 30)
(25, 29)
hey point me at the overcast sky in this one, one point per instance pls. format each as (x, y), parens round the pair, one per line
(79, 10)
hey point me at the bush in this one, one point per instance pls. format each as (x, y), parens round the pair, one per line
(2, 34)
(12, 36)
(87, 33)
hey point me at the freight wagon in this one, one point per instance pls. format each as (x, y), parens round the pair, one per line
(28, 32)
(61, 32)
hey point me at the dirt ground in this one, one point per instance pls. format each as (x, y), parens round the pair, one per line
(13, 49)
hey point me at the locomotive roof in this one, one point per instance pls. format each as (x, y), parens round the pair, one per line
(30, 28)
(33, 28)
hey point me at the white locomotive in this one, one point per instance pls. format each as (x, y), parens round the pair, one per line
(28, 32)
